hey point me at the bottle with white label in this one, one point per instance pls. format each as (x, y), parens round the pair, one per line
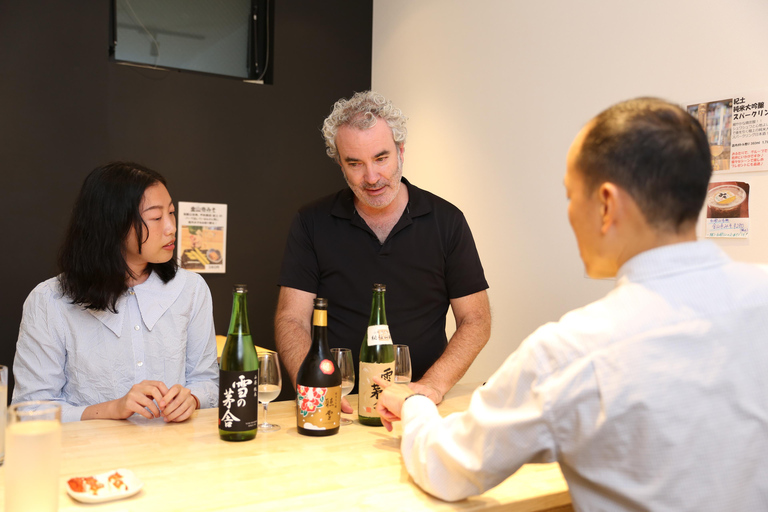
(318, 382)
(377, 357)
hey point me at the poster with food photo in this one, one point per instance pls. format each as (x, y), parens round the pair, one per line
(201, 237)
(727, 205)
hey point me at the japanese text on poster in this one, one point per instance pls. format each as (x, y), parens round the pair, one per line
(202, 237)
(737, 130)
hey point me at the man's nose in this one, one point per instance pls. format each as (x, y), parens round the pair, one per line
(371, 174)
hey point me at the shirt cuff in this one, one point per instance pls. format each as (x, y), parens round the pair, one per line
(72, 413)
(417, 405)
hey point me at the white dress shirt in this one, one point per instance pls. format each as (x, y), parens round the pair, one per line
(652, 398)
(82, 357)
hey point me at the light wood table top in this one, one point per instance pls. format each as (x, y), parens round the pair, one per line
(185, 466)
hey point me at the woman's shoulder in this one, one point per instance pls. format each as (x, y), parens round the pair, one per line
(45, 297)
(189, 278)
(190, 284)
(50, 289)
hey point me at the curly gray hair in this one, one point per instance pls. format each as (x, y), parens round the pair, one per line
(361, 111)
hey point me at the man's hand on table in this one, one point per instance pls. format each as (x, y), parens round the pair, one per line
(427, 389)
(391, 401)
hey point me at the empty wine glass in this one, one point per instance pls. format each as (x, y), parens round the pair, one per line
(270, 384)
(403, 370)
(343, 359)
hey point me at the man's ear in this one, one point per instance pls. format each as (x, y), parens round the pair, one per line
(611, 198)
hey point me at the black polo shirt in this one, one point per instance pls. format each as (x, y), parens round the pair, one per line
(429, 258)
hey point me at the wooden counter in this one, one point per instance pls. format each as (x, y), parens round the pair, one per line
(186, 467)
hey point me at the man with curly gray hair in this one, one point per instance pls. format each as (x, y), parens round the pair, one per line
(382, 229)
(362, 111)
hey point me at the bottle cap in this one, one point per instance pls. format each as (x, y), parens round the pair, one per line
(321, 303)
(379, 287)
(240, 288)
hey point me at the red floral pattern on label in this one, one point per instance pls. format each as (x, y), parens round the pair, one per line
(310, 399)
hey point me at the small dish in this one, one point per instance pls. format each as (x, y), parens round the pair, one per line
(214, 256)
(112, 485)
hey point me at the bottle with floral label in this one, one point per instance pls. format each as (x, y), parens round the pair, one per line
(318, 383)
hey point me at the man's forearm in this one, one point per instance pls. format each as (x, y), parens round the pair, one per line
(461, 351)
(292, 342)
(473, 320)
(292, 328)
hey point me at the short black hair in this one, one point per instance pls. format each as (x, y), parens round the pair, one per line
(655, 151)
(92, 257)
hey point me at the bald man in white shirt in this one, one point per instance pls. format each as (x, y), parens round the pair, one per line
(652, 398)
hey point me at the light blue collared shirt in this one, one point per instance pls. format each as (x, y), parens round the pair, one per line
(82, 357)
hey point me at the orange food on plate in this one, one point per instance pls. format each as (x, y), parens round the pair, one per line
(76, 484)
(116, 481)
(85, 484)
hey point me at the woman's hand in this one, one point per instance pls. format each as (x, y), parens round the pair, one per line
(143, 398)
(178, 403)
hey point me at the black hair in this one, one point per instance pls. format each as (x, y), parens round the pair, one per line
(92, 258)
(655, 151)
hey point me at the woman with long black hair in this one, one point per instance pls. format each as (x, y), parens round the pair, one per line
(121, 330)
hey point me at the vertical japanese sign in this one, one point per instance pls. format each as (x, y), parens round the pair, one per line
(202, 237)
(737, 130)
(727, 206)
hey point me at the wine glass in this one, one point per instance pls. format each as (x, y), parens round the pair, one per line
(343, 359)
(270, 384)
(403, 370)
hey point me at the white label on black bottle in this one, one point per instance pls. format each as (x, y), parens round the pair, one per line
(238, 400)
(379, 335)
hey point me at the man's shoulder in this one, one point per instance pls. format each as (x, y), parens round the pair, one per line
(325, 203)
(424, 201)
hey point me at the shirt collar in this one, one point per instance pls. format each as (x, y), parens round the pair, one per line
(344, 204)
(671, 259)
(154, 298)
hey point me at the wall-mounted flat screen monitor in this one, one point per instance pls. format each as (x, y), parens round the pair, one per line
(220, 37)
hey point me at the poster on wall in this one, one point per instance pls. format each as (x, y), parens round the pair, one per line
(201, 237)
(737, 130)
(727, 207)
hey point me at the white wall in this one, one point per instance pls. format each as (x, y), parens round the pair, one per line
(496, 90)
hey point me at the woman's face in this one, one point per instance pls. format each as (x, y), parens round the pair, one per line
(159, 235)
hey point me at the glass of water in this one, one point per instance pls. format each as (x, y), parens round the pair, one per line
(270, 384)
(403, 370)
(343, 359)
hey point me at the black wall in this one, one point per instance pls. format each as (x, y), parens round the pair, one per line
(65, 109)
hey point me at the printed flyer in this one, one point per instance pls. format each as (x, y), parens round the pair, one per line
(727, 207)
(201, 238)
(737, 130)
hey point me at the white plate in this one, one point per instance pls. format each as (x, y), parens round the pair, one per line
(109, 491)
